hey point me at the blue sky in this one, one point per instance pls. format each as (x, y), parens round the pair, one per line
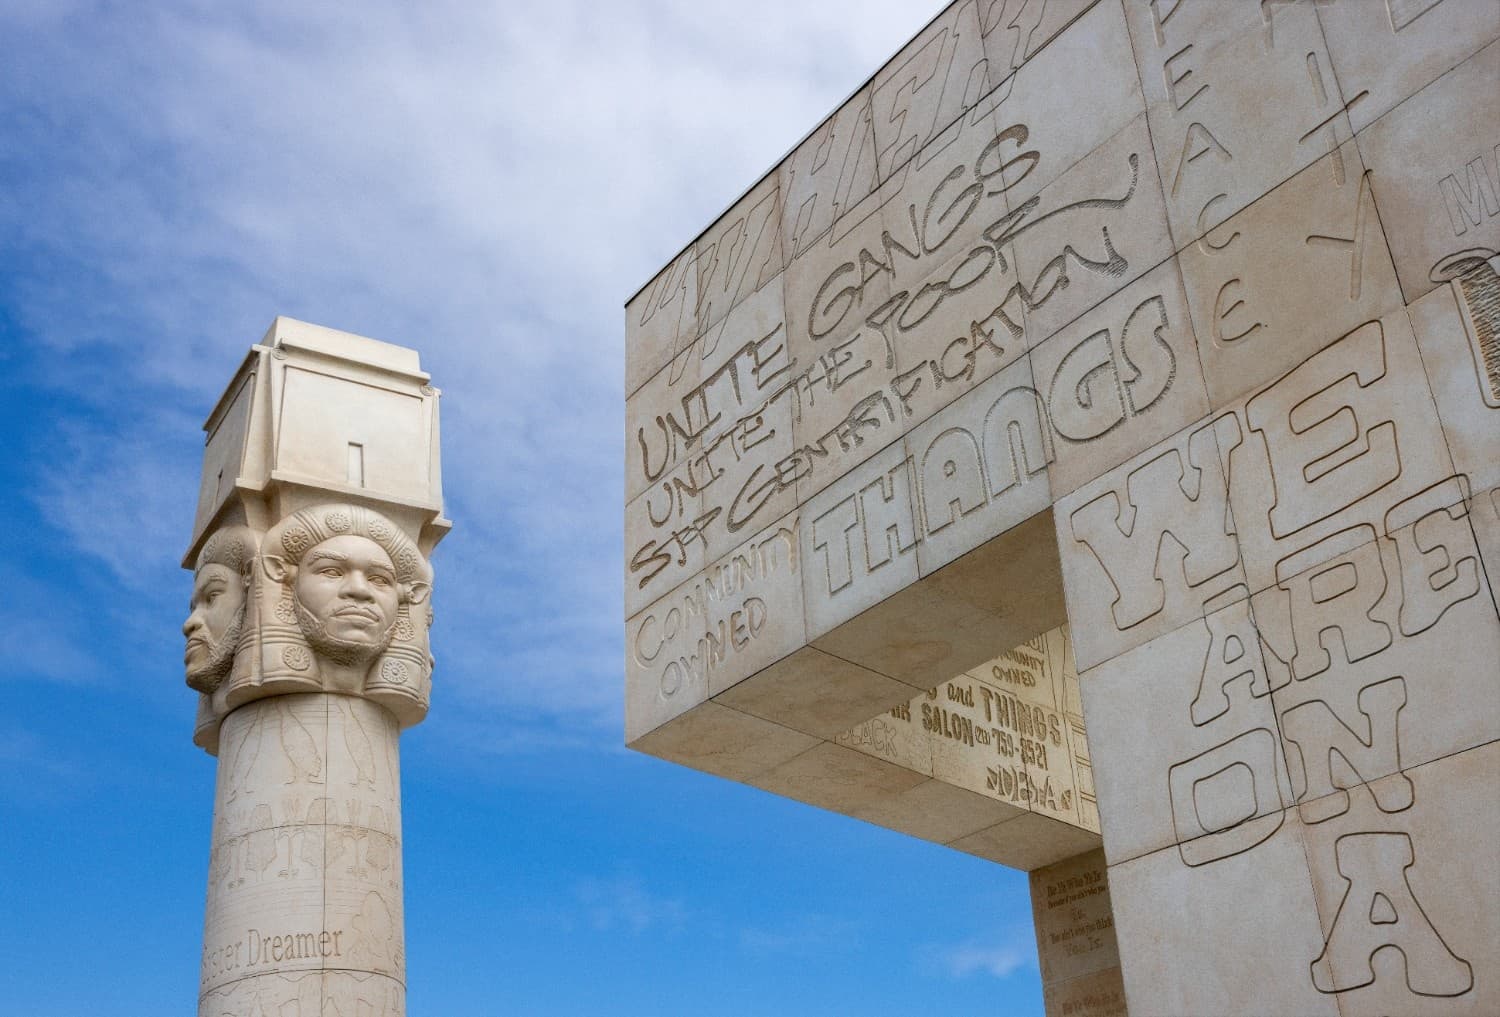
(487, 183)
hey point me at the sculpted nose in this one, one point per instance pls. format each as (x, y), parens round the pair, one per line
(357, 586)
(193, 624)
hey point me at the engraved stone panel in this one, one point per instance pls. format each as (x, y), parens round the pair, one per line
(1433, 170)
(1089, 232)
(741, 614)
(1386, 51)
(1239, 100)
(1287, 276)
(1174, 964)
(1074, 96)
(1175, 764)
(1119, 378)
(1402, 897)
(1075, 929)
(1318, 458)
(1458, 333)
(1149, 544)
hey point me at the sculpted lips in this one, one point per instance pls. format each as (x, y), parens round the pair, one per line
(355, 612)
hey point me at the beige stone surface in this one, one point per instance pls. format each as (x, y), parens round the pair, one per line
(1101, 994)
(836, 778)
(1457, 326)
(1285, 277)
(1383, 53)
(725, 742)
(1028, 842)
(1119, 378)
(1238, 101)
(1147, 545)
(1185, 742)
(741, 615)
(1322, 454)
(1407, 898)
(1433, 169)
(1392, 647)
(739, 254)
(858, 540)
(1484, 518)
(305, 865)
(962, 615)
(661, 320)
(704, 408)
(1182, 962)
(1080, 91)
(938, 77)
(1089, 232)
(1016, 32)
(1075, 926)
(816, 693)
(979, 467)
(937, 811)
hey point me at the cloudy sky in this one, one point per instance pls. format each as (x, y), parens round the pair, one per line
(486, 182)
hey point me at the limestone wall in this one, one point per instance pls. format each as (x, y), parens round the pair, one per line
(1178, 324)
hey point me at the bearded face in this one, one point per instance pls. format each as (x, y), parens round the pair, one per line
(346, 598)
(216, 615)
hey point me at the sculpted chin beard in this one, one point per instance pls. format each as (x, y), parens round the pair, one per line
(207, 676)
(339, 651)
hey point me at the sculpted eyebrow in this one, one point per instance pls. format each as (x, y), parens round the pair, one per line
(330, 555)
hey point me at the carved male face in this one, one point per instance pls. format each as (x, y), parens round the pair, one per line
(346, 597)
(215, 616)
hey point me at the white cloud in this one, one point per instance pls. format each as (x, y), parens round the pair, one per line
(485, 183)
(803, 935)
(997, 957)
(624, 904)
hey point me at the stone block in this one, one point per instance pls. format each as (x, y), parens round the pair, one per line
(936, 811)
(1120, 378)
(1148, 545)
(1088, 233)
(1075, 927)
(1078, 92)
(1238, 102)
(1384, 53)
(816, 693)
(1433, 170)
(1319, 457)
(1458, 333)
(1406, 898)
(1028, 842)
(836, 778)
(1285, 277)
(1171, 920)
(1185, 743)
(724, 742)
(661, 320)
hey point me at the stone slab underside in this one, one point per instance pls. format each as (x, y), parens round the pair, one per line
(1169, 334)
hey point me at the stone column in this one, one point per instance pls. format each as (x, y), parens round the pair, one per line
(307, 640)
(304, 888)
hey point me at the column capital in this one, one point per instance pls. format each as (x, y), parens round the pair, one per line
(320, 503)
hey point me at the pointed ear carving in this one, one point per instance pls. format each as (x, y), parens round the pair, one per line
(417, 593)
(278, 569)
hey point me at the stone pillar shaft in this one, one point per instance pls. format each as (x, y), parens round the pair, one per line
(304, 915)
